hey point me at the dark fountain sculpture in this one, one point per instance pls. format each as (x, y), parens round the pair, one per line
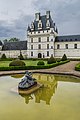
(27, 81)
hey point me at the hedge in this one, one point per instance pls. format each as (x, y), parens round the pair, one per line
(17, 63)
(77, 67)
(41, 63)
(32, 67)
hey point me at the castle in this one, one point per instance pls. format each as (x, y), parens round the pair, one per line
(43, 41)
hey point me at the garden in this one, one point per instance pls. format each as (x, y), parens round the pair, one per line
(7, 64)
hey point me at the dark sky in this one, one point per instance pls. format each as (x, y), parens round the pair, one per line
(15, 15)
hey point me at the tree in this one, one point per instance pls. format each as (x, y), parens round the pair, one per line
(3, 56)
(64, 57)
(51, 60)
(5, 40)
(13, 40)
(21, 56)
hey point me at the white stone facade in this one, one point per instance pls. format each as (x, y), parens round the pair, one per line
(47, 45)
(71, 51)
(41, 36)
(14, 53)
(40, 43)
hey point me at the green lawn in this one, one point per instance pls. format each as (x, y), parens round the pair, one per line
(4, 63)
(28, 63)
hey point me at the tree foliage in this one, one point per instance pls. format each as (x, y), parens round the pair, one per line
(51, 60)
(3, 56)
(21, 56)
(17, 63)
(13, 40)
(64, 57)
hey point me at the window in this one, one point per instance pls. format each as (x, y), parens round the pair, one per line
(39, 39)
(47, 53)
(58, 46)
(47, 46)
(51, 47)
(39, 25)
(47, 39)
(31, 53)
(31, 47)
(75, 46)
(51, 39)
(48, 24)
(39, 46)
(66, 46)
(31, 40)
(70, 39)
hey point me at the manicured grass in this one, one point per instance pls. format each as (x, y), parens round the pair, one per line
(34, 67)
(27, 62)
(4, 63)
(32, 63)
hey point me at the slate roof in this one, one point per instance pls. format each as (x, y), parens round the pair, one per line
(67, 38)
(43, 20)
(1, 43)
(19, 45)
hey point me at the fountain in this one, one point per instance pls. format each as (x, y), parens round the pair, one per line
(28, 84)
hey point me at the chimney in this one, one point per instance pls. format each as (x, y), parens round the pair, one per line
(37, 16)
(47, 14)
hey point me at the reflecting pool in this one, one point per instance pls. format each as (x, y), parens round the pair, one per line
(58, 99)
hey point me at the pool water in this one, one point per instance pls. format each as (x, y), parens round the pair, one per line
(59, 99)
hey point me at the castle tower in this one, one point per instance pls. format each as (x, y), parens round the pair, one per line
(41, 36)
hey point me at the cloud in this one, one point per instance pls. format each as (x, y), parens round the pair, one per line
(17, 28)
(66, 14)
(16, 15)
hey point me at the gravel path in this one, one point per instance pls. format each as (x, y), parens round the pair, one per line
(66, 69)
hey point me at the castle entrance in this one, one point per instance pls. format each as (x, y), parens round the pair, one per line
(39, 55)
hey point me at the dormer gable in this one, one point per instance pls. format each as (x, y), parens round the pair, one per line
(32, 26)
(39, 24)
(48, 23)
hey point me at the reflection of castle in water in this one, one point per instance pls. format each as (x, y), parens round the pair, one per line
(46, 92)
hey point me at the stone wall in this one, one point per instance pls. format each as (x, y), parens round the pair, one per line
(14, 53)
(71, 52)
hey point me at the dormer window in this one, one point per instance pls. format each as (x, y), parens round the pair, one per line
(40, 25)
(32, 26)
(48, 24)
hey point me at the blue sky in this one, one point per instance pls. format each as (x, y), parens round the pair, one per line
(15, 15)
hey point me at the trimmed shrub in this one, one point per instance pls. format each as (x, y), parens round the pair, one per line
(3, 56)
(32, 67)
(77, 67)
(40, 63)
(21, 56)
(51, 60)
(64, 57)
(17, 63)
